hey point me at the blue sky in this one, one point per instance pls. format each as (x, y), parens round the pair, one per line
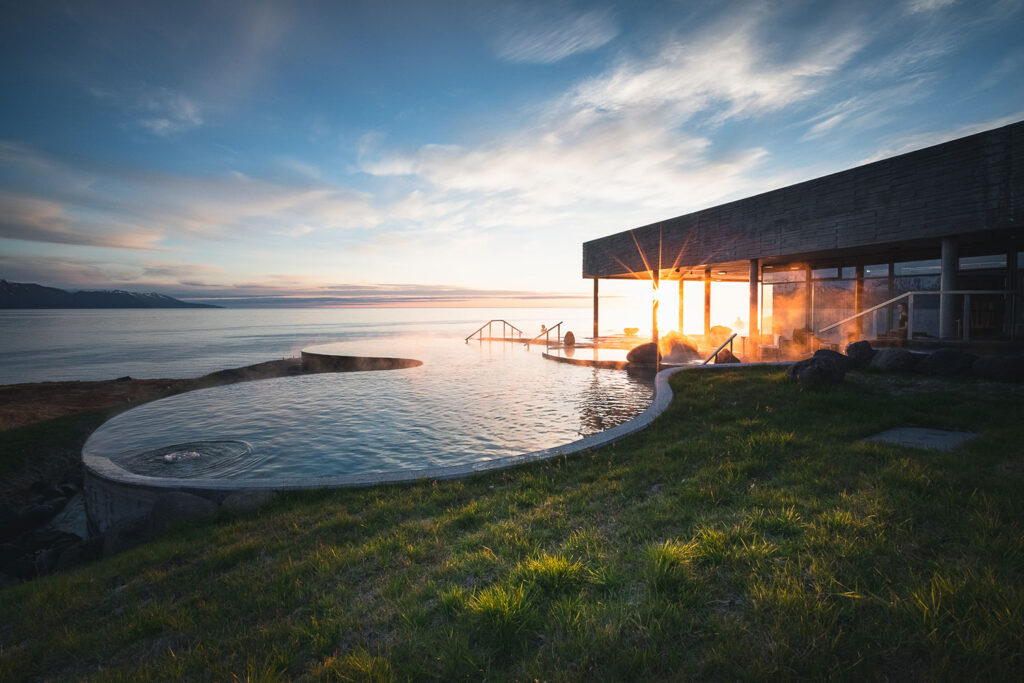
(443, 152)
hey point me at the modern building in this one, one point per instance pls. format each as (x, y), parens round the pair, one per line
(923, 249)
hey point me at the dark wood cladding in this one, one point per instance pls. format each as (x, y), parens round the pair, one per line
(958, 188)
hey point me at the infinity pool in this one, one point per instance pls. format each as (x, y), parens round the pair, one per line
(466, 403)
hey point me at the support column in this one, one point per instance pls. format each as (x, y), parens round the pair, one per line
(808, 300)
(752, 325)
(595, 308)
(858, 302)
(1011, 300)
(655, 281)
(947, 282)
(680, 328)
(707, 302)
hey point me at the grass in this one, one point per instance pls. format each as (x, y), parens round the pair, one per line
(748, 533)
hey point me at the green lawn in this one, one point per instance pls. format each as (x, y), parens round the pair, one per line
(747, 534)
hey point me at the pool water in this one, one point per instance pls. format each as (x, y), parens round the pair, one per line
(466, 403)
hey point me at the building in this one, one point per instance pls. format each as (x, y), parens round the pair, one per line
(923, 249)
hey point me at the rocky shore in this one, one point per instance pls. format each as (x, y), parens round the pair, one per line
(43, 427)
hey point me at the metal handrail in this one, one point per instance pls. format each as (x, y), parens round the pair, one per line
(719, 349)
(547, 334)
(910, 296)
(488, 326)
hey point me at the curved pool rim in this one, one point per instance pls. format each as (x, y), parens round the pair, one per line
(114, 493)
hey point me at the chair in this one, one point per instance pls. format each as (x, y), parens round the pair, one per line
(773, 348)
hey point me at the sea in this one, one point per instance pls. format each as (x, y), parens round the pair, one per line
(99, 344)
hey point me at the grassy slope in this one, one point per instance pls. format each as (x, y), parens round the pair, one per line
(748, 533)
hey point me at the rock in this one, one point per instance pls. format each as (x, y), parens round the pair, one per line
(718, 334)
(176, 506)
(817, 371)
(247, 500)
(89, 550)
(126, 533)
(676, 348)
(569, 340)
(1000, 368)
(860, 353)
(946, 362)
(894, 360)
(630, 331)
(9, 523)
(726, 356)
(37, 514)
(835, 356)
(644, 354)
(9, 556)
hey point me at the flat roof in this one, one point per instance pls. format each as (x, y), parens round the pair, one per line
(971, 188)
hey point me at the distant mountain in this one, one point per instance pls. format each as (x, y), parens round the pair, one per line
(26, 295)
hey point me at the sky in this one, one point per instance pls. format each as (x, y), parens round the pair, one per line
(446, 153)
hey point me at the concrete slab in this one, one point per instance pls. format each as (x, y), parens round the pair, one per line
(919, 437)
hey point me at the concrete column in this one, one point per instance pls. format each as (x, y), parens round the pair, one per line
(707, 302)
(947, 282)
(595, 308)
(858, 302)
(681, 281)
(753, 324)
(655, 281)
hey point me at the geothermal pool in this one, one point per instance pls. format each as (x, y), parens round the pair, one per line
(467, 403)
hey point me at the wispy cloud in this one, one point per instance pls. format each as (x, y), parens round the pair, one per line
(546, 36)
(900, 144)
(168, 112)
(60, 201)
(620, 139)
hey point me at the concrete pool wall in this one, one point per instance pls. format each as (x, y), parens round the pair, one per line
(113, 494)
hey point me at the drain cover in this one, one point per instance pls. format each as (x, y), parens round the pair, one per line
(918, 437)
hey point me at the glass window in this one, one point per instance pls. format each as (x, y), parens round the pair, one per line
(825, 273)
(983, 262)
(783, 275)
(848, 273)
(880, 270)
(914, 268)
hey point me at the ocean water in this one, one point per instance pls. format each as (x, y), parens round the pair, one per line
(56, 345)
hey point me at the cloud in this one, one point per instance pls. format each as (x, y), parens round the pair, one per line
(168, 112)
(620, 139)
(543, 38)
(894, 145)
(48, 199)
(916, 6)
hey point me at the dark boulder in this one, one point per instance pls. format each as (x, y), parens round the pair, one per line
(177, 506)
(726, 356)
(569, 339)
(894, 360)
(860, 353)
(835, 357)
(1000, 368)
(644, 354)
(947, 362)
(677, 348)
(817, 371)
